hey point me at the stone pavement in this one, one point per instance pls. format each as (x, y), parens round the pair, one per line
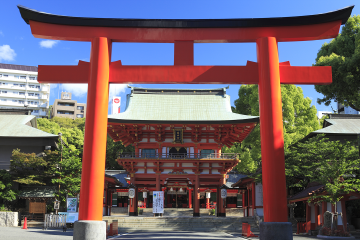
(15, 233)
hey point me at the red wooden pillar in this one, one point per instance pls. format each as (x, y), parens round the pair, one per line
(271, 131)
(196, 212)
(190, 199)
(308, 217)
(158, 187)
(222, 202)
(93, 164)
(317, 217)
(243, 203)
(323, 210)
(207, 203)
(253, 198)
(343, 210)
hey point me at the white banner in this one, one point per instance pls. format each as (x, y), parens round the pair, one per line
(144, 194)
(158, 202)
(115, 108)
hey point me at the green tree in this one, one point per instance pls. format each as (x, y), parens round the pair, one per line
(333, 164)
(67, 172)
(113, 149)
(299, 119)
(343, 55)
(7, 194)
(28, 168)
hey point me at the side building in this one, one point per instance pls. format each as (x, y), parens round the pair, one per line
(65, 107)
(19, 89)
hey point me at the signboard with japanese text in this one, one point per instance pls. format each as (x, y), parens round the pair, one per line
(70, 217)
(158, 202)
(178, 135)
(71, 204)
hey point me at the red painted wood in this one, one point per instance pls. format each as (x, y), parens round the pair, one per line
(184, 74)
(93, 164)
(271, 132)
(198, 35)
(184, 53)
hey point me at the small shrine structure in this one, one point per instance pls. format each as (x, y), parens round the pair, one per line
(178, 135)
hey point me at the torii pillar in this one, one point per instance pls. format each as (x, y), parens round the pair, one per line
(268, 73)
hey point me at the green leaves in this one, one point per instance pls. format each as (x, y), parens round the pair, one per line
(6, 192)
(299, 119)
(343, 55)
(333, 164)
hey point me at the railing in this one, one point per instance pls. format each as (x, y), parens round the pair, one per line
(54, 221)
(180, 155)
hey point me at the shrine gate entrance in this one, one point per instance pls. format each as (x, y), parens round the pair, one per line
(268, 73)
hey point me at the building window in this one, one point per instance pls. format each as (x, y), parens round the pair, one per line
(22, 85)
(16, 93)
(80, 108)
(14, 100)
(15, 84)
(0, 75)
(30, 102)
(22, 93)
(3, 92)
(22, 77)
(33, 78)
(31, 94)
(37, 95)
(21, 102)
(37, 86)
(79, 115)
(36, 111)
(5, 83)
(3, 100)
(31, 86)
(205, 153)
(5, 75)
(16, 76)
(65, 104)
(35, 103)
(148, 153)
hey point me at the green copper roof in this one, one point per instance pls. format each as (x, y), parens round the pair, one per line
(340, 126)
(179, 106)
(21, 126)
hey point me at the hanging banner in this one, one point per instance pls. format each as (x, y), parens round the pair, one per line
(71, 204)
(144, 194)
(223, 193)
(158, 202)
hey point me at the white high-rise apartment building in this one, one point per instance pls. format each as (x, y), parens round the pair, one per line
(19, 89)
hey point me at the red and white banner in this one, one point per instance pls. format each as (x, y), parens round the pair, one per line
(115, 105)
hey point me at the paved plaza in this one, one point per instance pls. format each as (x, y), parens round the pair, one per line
(12, 233)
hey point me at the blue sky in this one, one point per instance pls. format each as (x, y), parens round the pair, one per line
(18, 46)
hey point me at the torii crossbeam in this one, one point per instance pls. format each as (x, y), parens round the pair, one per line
(268, 73)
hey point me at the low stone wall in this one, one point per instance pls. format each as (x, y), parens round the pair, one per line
(119, 211)
(9, 219)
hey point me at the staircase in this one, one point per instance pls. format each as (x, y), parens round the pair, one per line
(163, 224)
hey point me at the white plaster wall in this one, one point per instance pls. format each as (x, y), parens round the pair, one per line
(205, 171)
(215, 171)
(187, 140)
(258, 194)
(168, 165)
(211, 141)
(215, 165)
(320, 211)
(149, 164)
(250, 212)
(203, 140)
(140, 171)
(192, 152)
(187, 164)
(167, 170)
(312, 213)
(140, 164)
(205, 165)
(260, 212)
(152, 140)
(168, 140)
(339, 210)
(150, 171)
(328, 205)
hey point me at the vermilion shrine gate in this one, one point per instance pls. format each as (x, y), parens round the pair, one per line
(268, 73)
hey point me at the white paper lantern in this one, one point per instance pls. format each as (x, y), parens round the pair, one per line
(144, 194)
(223, 193)
(131, 192)
(208, 194)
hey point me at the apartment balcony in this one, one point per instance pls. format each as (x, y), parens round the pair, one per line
(177, 156)
(44, 89)
(44, 97)
(44, 105)
(8, 95)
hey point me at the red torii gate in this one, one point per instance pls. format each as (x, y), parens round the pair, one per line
(268, 73)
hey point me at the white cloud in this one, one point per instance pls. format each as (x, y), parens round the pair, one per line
(76, 89)
(48, 43)
(116, 89)
(6, 53)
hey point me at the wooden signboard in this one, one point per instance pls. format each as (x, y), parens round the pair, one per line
(37, 207)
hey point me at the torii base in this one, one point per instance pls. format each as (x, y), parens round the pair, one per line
(89, 230)
(276, 231)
